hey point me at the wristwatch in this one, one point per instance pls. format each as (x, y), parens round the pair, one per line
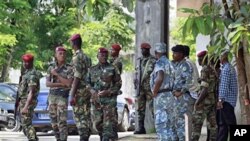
(221, 100)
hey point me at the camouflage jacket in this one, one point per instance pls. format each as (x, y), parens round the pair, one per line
(30, 77)
(117, 62)
(81, 64)
(105, 77)
(147, 67)
(183, 76)
(163, 64)
(65, 71)
(208, 80)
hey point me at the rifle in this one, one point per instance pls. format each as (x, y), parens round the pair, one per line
(138, 78)
(17, 94)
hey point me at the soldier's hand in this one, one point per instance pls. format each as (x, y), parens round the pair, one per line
(24, 110)
(177, 93)
(53, 72)
(72, 100)
(219, 105)
(94, 97)
(197, 106)
(104, 93)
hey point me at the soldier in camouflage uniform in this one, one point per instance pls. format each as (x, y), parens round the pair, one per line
(59, 79)
(161, 83)
(144, 68)
(205, 104)
(104, 83)
(28, 93)
(116, 61)
(79, 94)
(183, 79)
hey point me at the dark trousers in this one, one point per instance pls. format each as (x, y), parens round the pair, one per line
(225, 117)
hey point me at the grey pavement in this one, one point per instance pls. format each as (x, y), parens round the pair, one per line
(18, 136)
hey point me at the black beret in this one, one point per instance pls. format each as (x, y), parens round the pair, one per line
(179, 48)
(186, 50)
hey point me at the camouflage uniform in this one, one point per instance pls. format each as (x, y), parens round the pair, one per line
(183, 77)
(118, 64)
(207, 110)
(147, 66)
(104, 77)
(31, 77)
(81, 64)
(163, 103)
(58, 102)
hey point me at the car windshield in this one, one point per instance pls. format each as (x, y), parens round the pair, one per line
(5, 97)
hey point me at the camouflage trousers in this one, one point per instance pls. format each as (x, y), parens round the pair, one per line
(163, 109)
(26, 120)
(181, 105)
(206, 111)
(103, 113)
(142, 100)
(82, 113)
(58, 106)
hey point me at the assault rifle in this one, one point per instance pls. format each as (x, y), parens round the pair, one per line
(138, 78)
(17, 94)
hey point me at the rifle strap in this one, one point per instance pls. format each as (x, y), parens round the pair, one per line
(144, 71)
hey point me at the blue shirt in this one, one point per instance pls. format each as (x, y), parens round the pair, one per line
(182, 76)
(163, 64)
(228, 88)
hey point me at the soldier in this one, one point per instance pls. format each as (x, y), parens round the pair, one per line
(59, 80)
(80, 96)
(161, 83)
(144, 68)
(204, 106)
(28, 93)
(116, 61)
(183, 79)
(104, 83)
(193, 90)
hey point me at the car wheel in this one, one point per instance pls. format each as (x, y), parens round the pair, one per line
(124, 125)
(13, 125)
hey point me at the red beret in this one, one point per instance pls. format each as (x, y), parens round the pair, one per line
(116, 47)
(145, 45)
(102, 50)
(60, 48)
(28, 57)
(75, 36)
(202, 53)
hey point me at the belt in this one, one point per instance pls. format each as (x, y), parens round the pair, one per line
(164, 90)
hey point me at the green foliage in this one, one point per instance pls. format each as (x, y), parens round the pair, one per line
(114, 28)
(38, 26)
(177, 36)
(225, 32)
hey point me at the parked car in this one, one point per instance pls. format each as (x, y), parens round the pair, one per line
(7, 102)
(3, 118)
(41, 119)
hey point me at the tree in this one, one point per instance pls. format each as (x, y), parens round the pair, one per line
(228, 30)
(38, 26)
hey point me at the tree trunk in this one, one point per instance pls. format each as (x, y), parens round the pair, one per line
(6, 67)
(242, 82)
(247, 65)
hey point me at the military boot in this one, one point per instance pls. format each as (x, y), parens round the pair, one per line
(105, 138)
(84, 138)
(141, 129)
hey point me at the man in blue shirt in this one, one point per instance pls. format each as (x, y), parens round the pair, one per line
(228, 90)
(161, 83)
